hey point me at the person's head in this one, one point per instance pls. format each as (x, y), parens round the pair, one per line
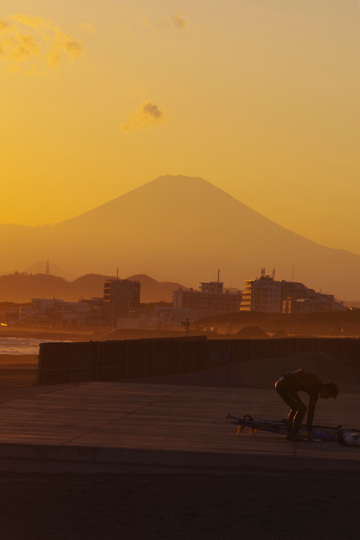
(329, 390)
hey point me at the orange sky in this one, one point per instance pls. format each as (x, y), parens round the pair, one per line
(260, 98)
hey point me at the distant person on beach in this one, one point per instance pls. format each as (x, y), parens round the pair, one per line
(298, 381)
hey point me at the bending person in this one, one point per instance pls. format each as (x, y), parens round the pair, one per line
(288, 387)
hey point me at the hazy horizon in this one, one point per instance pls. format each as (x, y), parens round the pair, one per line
(181, 229)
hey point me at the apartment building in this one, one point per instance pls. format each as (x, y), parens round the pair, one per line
(270, 296)
(122, 296)
(211, 299)
(262, 294)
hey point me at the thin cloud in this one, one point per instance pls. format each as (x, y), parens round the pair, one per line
(4, 27)
(24, 39)
(89, 27)
(34, 22)
(124, 28)
(147, 116)
(179, 21)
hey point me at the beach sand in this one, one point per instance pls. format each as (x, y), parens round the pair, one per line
(17, 371)
(56, 334)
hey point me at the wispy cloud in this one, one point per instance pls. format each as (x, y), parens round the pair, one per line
(24, 39)
(179, 21)
(89, 27)
(147, 116)
(4, 27)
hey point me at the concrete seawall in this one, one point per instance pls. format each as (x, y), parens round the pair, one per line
(61, 363)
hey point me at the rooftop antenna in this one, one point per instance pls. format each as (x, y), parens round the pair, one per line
(293, 269)
(117, 274)
(47, 269)
(218, 275)
(273, 272)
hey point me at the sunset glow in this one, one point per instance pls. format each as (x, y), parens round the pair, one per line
(259, 98)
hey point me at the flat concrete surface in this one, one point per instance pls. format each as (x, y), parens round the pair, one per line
(256, 505)
(111, 425)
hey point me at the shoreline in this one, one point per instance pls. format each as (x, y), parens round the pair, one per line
(7, 359)
(49, 334)
(16, 372)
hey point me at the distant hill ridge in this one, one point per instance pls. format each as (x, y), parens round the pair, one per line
(180, 228)
(22, 287)
(54, 270)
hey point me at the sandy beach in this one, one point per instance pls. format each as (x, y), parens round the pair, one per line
(17, 371)
(56, 334)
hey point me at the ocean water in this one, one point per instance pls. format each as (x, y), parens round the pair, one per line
(17, 346)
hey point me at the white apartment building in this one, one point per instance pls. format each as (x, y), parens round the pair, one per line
(262, 294)
(270, 296)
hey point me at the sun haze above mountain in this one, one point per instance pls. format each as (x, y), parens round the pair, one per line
(183, 229)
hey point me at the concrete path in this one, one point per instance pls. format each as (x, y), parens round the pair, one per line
(106, 426)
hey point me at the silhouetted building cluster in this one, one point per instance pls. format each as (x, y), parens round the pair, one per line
(120, 305)
(265, 294)
(121, 299)
(58, 313)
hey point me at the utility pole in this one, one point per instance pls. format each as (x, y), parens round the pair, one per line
(187, 325)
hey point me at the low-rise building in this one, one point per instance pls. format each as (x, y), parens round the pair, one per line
(211, 299)
(11, 316)
(312, 305)
(128, 323)
(159, 317)
(24, 313)
(56, 311)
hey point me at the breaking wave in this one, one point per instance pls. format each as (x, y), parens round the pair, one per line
(18, 346)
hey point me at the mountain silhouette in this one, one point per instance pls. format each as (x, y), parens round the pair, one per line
(22, 288)
(181, 229)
